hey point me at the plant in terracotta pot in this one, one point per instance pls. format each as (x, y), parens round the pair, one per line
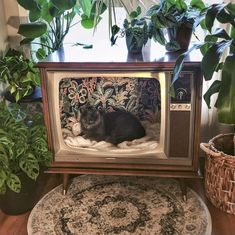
(179, 17)
(19, 74)
(23, 153)
(218, 51)
(135, 30)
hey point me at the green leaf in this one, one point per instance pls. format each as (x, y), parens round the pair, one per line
(87, 23)
(180, 61)
(87, 46)
(26, 41)
(232, 34)
(49, 12)
(41, 53)
(34, 14)
(3, 154)
(231, 8)
(28, 4)
(199, 4)
(173, 46)
(224, 17)
(86, 6)
(225, 103)
(3, 177)
(17, 96)
(3, 189)
(32, 30)
(181, 5)
(213, 89)
(63, 5)
(29, 165)
(212, 58)
(158, 36)
(211, 14)
(17, 112)
(13, 182)
(135, 14)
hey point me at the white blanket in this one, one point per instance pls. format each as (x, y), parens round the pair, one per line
(148, 142)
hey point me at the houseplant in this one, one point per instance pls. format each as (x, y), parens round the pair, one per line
(50, 22)
(23, 152)
(135, 29)
(216, 58)
(179, 17)
(19, 74)
(218, 51)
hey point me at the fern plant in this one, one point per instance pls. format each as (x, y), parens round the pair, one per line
(23, 149)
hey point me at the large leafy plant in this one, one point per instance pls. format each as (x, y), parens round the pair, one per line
(173, 14)
(23, 149)
(49, 22)
(218, 51)
(19, 74)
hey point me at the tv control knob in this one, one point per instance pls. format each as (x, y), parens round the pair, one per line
(181, 93)
(187, 106)
(173, 106)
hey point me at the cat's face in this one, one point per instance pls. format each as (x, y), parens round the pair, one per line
(90, 117)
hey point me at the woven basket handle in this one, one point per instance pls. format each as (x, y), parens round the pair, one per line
(206, 148)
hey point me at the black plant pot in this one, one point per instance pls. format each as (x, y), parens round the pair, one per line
(36, 96)
(12, 203)
(181, 34)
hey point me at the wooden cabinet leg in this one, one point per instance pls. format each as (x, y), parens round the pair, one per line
(183, 188)
(65, 183)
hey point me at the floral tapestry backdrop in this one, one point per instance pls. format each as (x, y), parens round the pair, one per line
(140, 96)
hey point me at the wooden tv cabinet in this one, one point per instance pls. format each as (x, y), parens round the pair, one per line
(184, 127)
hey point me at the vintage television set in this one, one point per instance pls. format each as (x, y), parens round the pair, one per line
(170, 114)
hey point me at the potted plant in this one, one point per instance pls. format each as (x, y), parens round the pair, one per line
(49, 22)
(179, 17)
(23, 153)
(216, 58)
(135, 29)
(218, 51)
(19, 74)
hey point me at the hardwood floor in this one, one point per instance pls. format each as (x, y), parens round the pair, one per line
(222, 223)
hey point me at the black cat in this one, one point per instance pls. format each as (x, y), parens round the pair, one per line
(114, 127)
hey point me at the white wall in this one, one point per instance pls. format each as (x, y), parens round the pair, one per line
(3, 29)
(13, 15)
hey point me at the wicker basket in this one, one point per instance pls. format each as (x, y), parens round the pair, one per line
(220, 172)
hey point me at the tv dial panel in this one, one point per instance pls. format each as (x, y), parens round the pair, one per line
(181, 100)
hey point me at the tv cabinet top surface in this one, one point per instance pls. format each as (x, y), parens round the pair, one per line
(117, 55)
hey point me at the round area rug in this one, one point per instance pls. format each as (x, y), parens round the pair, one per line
(106, 205)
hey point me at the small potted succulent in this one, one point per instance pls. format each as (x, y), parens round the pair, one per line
(23, 154)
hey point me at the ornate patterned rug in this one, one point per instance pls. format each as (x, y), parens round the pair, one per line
(106, 205)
